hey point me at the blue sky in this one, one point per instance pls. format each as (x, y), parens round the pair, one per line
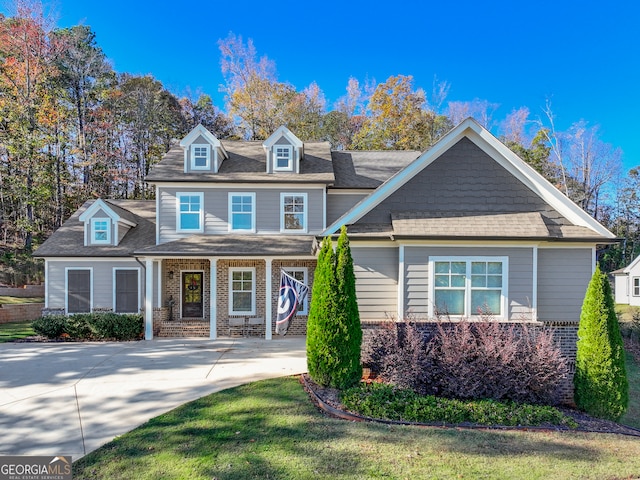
(583, 56)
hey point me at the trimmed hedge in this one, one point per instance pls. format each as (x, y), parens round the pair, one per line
(91, 326)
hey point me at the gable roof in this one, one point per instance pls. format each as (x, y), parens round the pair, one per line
(68, 240)
(629, 267)
(497, 151)
(116, 213)
(282, 131)
(200, 130)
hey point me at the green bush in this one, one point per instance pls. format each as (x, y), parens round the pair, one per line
(91, 326)
(384, 401)
(600, 381)
(334, 335)
(51, 326)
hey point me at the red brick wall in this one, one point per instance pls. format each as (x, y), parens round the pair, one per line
(25, 311)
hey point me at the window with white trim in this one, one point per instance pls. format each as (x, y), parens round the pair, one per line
(283, 157)
(242, 291)
(190, 212)
(636, 286)
(200, 157)
(300, 274)
(100, 231)
(293, 216)
(242, 216)
(468, 286)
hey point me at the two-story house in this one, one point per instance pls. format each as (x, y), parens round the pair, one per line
(464, 227)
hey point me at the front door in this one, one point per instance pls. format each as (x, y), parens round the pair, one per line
(192, 295)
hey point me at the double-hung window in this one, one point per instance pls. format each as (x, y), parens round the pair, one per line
(200, 157)
(293, 216)
(190, 212)
(283, 157)
(636, 286)
(100, 231)
(242, 212)
(242, 291)
(468, 286)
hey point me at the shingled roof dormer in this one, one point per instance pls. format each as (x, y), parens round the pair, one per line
(203, 152)
(105, 224)
(284, 151)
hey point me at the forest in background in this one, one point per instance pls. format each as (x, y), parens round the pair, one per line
(71, 129)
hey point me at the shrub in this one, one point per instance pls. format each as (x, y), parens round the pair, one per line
(90, 326)
(334, 335)
(51, 326)
(391, 403)
(601, 387)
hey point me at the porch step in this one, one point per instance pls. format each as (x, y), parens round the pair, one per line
(184, 328)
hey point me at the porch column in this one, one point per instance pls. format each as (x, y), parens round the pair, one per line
(159, 281)
(213, 299)
(269, 299)
(148, 300)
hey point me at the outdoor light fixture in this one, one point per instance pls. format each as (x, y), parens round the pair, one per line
(171, 275)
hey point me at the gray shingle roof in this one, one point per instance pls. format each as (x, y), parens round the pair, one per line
(369, 169)
(234, 245)
(247, 163)
(68, 240)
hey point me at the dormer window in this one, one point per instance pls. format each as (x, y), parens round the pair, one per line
(283, 156)
(200, 157)
(100, 231)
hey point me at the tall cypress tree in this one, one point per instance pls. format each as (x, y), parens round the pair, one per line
(334, 335)
(600, 381)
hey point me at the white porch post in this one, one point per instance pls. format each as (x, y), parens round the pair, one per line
(269, 299)
(213, 299)
(148, 300)
(159, 284)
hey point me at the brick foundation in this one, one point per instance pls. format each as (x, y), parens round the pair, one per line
(18, 312)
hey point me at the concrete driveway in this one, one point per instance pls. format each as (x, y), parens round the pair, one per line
(71, 398)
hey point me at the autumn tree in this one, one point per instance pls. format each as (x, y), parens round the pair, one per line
(204, 112)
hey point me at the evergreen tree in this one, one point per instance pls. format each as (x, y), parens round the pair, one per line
(334, 336)
(600, 381)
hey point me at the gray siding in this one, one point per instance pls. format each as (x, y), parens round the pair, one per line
(563, 276)
(339, 204)
(102, 278)
(200, 141)
(416, 271)
(463, 179)
(216, 210)
(376, 272)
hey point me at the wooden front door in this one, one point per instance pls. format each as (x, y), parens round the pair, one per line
(192, 295)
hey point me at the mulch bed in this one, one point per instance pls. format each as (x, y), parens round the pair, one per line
(328, 400)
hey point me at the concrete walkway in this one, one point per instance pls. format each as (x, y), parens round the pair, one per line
(71, 398)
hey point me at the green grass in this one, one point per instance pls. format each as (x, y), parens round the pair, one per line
(632, 416)
(4, 300)
(625, 312)
(270, 430)
(15, 331)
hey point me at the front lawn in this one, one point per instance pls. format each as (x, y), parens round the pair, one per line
(270, 429)
(4, 300)
(15, 331)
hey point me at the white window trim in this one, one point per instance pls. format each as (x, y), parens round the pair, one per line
(93, 231)
(181, 292)
(305, 280)
(635, 289)
(253, 290)
(504, 303)
(253, 211)
(66, 287)
(305, 212)
(192, 149)
(179, 228)
(113, 286)
(289, 167)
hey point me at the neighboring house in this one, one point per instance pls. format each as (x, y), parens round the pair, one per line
(463, 227)
(627, 283)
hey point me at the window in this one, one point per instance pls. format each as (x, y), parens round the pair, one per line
(300, 274)
(242, 291)
(466, 286)
(636, 286)
(294, 215)
(242, 212)
(200, 157)
(283, 157)
(126, 293)
(190, 212)
(100, 231)
(79, 290)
